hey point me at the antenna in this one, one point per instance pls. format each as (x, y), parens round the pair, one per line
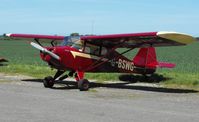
(92, 26)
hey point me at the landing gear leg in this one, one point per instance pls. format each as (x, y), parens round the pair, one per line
(66, 76)
(71, 73)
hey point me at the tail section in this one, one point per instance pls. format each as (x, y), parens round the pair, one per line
(146, 57)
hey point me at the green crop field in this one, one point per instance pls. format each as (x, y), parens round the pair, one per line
(25, 59)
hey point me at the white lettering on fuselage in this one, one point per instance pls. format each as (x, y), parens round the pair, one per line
(126, 65)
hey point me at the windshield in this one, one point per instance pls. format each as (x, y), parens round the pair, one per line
(73, 41)
(70, 40)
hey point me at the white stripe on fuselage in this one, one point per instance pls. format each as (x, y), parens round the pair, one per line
(84, 55)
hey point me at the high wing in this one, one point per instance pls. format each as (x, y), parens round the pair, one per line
(132, 40)
(154, 39)
(32, 37)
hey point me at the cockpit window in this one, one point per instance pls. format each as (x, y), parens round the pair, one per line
(92, 49)
(73, 41)
(70, 40)
(77, 43)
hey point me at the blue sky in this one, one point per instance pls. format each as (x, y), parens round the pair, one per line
(98, 16)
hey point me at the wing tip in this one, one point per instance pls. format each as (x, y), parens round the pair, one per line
(176, 36)
(7, 34)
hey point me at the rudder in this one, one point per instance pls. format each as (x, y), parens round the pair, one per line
(146, 57)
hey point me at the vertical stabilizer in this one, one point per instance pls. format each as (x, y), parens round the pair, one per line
(146, 57)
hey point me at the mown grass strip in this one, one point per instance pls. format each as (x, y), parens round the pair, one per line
(174, 79)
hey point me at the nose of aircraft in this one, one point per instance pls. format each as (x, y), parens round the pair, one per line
(51, 55)
(45, 56)
(45, 50)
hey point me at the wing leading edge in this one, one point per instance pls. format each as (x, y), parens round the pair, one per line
(32, 37)
(154, 39)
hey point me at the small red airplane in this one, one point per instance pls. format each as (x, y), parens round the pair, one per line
(97, 53)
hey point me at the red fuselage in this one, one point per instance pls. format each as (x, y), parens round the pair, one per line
(77, 60)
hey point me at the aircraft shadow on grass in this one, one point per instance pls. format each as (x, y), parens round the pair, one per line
(154, 78)
(128, 80)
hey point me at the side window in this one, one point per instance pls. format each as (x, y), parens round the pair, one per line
(87, 50)
(103, 51)
(95, 50)
(92, 49)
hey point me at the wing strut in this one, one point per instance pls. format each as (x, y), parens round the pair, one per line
(37, 40)
(96, 64)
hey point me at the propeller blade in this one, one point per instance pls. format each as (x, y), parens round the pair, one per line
(37, 46)
(44, 50)
(53, 55)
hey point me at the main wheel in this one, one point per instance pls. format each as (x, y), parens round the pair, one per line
(83, 85)
(48, 82)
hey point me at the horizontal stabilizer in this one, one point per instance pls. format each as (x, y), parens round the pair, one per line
(166, 65)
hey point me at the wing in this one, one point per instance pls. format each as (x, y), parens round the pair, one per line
(148, 39)
(31, 37)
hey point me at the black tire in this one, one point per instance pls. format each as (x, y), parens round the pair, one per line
(83, 85)
(48, 82)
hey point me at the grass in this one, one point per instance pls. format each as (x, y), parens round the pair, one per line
(4, 81)
(30, 70)
(24, 59)
(181, 80)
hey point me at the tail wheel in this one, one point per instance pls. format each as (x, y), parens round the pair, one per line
(83, 85)
(48, 82)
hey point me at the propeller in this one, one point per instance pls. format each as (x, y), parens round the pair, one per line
(44, 50)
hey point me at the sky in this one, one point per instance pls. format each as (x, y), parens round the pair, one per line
(63, 17)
